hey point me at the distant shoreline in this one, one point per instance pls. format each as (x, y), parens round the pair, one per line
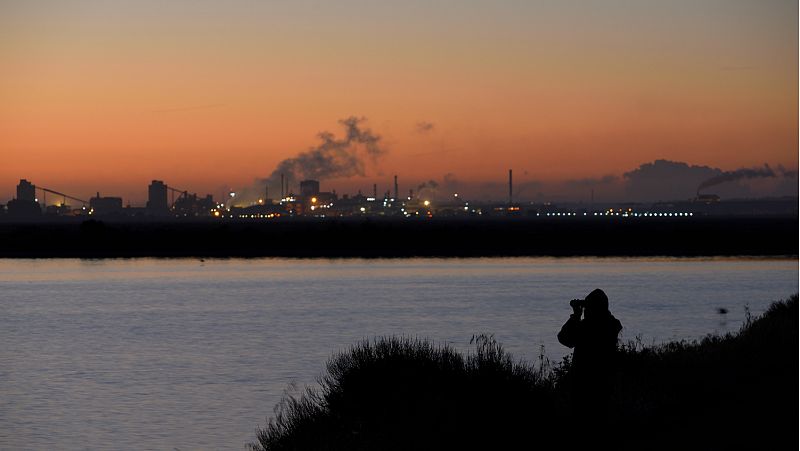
(388, 238)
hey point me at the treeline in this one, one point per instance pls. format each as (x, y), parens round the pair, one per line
(403, 238)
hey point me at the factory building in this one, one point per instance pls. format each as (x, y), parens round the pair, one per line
(309, 188)
(26, 191)
(25, 205)
(192, 205)
(105, 205)
(157, 198)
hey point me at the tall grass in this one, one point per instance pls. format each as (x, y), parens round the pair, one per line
(722, 392)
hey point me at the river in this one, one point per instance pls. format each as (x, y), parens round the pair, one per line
(194, 354)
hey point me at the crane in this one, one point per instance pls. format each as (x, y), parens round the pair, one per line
(65, 196)
(180, 192)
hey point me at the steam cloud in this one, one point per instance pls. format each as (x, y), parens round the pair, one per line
(428, 189)
(744, 173)
(332, 158)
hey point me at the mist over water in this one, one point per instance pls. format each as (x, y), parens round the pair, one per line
(190, 354)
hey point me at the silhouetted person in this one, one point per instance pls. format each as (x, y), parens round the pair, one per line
(594, 339)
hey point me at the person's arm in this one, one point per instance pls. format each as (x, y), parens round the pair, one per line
(568, 336)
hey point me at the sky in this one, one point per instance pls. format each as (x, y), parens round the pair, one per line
(209, 96)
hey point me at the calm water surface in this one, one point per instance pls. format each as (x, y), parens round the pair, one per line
(185, 354)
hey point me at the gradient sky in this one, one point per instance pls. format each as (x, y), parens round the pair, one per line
(107, 95)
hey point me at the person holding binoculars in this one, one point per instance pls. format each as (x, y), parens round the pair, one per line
(594, 340)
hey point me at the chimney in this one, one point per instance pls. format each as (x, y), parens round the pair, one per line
(283, 195)
(375, 190)
(396, 192)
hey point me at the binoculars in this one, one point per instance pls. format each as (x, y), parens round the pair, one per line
(577, 303)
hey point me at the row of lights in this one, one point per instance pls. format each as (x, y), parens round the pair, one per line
(624, 214)
(268, 216)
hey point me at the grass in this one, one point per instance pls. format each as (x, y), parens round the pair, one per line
(737, 391)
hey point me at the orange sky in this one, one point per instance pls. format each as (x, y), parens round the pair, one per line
(100, 95)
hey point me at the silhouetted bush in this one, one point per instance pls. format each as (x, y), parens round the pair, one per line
(737, 391)
(402, 393)
(723, 392)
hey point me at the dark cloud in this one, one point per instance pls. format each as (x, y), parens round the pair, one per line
(666, 180)
(424, 127)
(673, 180)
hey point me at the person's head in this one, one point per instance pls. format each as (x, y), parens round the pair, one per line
(596, 304)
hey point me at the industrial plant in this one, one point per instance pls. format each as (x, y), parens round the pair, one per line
(166, 202)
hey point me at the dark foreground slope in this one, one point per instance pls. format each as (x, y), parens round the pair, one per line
(733, 392)
(298, 237)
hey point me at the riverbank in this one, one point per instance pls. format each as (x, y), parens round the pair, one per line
(376, 238)
(737, 391)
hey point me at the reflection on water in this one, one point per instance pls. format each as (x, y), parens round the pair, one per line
(190, 354)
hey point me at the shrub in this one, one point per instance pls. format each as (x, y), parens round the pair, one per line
(403, 393)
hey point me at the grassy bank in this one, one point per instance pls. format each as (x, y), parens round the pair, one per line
(737, 391)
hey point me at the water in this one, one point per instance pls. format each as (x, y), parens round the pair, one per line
(185, 354)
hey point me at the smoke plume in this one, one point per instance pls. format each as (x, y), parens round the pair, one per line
(332, 158)
(428, 189)
(739, 174)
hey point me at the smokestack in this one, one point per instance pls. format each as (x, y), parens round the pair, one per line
(266, 193)
(375, 190)
(396, 192)
(283, 195)
(410, 194)
(510, 186)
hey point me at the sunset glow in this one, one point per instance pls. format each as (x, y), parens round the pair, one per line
(108, 95)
